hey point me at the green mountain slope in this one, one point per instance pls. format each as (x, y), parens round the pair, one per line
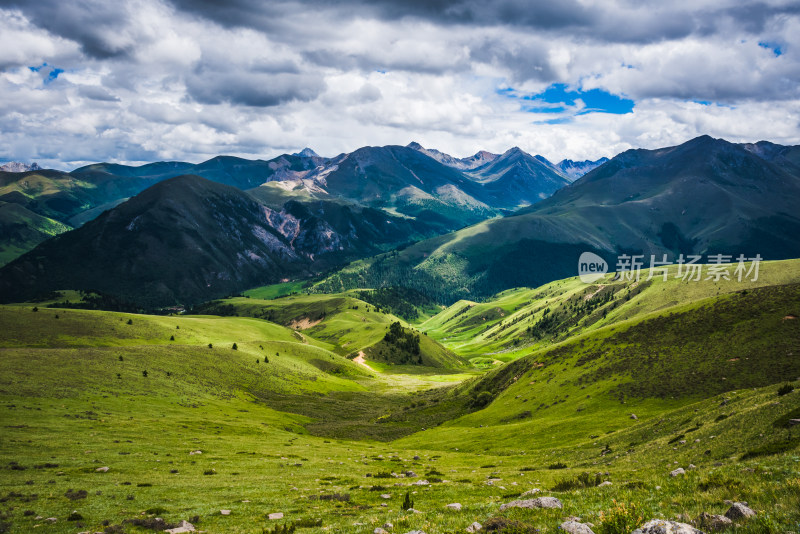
(23, 229)
(706, 196)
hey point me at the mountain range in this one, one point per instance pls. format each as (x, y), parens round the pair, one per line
(36, 204)
(705, 196)
(447, 227)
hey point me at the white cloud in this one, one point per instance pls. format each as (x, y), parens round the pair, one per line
(146, 80)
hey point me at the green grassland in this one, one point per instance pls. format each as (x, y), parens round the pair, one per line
(629, 382)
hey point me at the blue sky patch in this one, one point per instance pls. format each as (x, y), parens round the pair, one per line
(776, 49)
(595, 100)
(51, 75)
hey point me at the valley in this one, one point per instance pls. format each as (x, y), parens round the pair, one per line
(307, 405)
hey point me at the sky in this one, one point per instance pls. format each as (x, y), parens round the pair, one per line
(147, 80)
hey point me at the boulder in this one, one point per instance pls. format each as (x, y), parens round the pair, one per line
(574, 527)
(455, 506)
(539, 502)
(739, 510)
(474, 527)
(661, 526)
(182, 528)
(678, 471)
(712, 522)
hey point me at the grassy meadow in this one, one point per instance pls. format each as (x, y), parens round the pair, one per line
(297, 404)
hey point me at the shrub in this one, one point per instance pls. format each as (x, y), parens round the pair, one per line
(557, 465)
(144, 373)
(501, 525)
(130, 321)
(210, 346)
(775, 447)
(408, 502)
(620, 519)
(785, 389)
(75, 495)
(74, 516)
(285, 529)
(583, 480)
(36, 308)
(235, 347)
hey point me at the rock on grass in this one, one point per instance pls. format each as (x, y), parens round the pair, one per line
(660, 526)
(539, 502)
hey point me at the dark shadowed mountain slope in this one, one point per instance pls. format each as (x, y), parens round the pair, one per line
(188, 239)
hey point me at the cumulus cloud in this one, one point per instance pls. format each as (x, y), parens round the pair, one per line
(189, 79)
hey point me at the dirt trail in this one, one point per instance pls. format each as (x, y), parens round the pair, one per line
(361, 359)
(599, 289)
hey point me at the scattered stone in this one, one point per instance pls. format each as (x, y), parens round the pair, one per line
(682, 442)
(739, 510)
(416, 457)
(533, 491)
(633, 416)
(379, 530)
(712, 521)
(411, 474)
(276, 515)
(692, 466)
(102, 469)
(413, 511)
(415, 532)
(574, 527)
(474, 527)
(604, 484)
(420, 483)
(388, 526)
(195, 452)
(660, 526)
(678, 471)
(539, 502)
(51, 519)
(225, 512)
(385, 496)
(182, 528)
(454, 506)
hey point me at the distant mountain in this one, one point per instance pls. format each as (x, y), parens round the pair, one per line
(573, 170)
(307, 153)
(480, 158)
(187, 239)
(16, 166)
(404, 181)
(704, 196)
(516, 178)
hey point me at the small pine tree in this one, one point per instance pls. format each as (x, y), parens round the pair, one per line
(257, 361)
(177, 327)
(235, 347)
(172, 338)
(57, 316)
(130, 321)
(210, 346)
(266, 360)
(35, 308)
(408, 502)
(119, 376)
(144, 373)
(121, 358)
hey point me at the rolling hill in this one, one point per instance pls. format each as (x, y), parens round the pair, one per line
(127, 418)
